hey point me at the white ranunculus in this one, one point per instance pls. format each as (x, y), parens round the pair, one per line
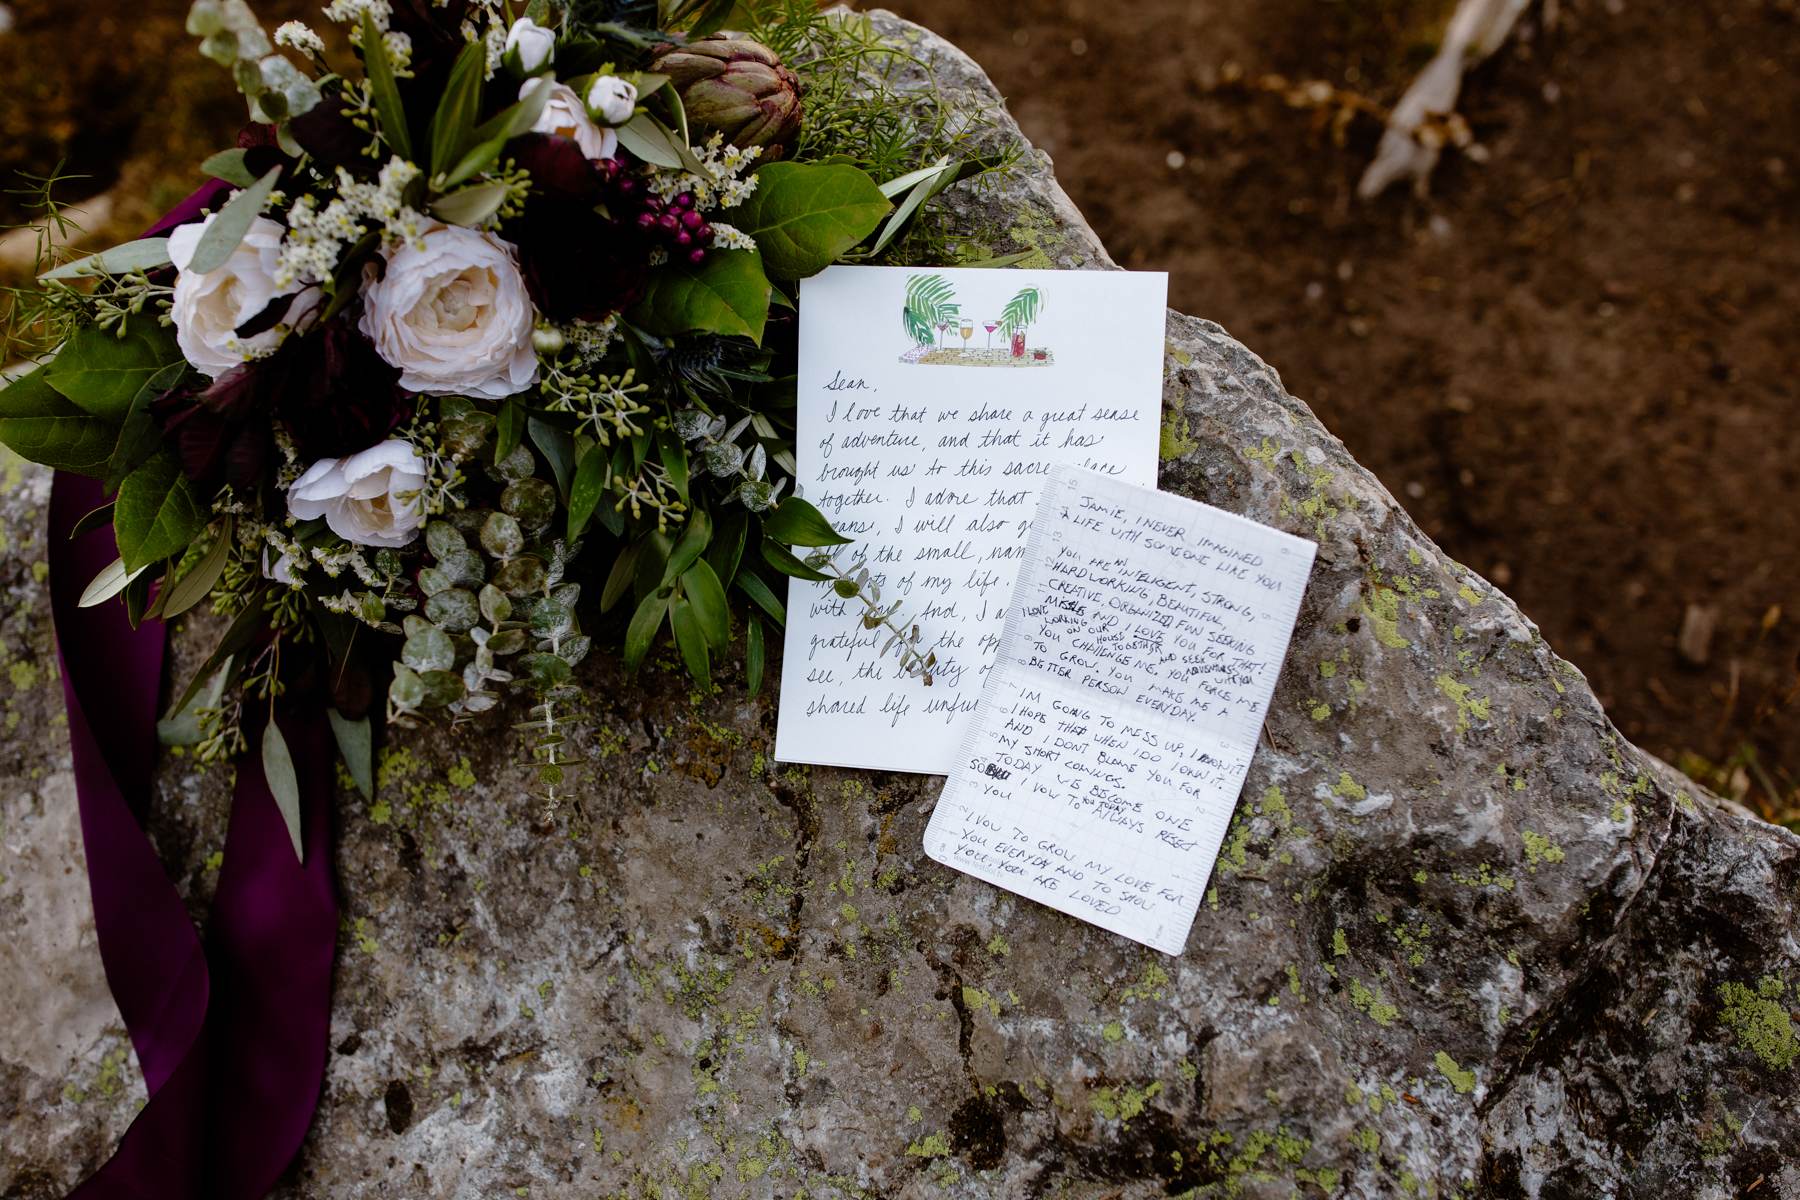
(371, 498)
(452, 313)
(564, 113)
(529, 46)
(209, 306)
(612, 99)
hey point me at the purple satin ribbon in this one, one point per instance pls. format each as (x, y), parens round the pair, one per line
(231, 1034)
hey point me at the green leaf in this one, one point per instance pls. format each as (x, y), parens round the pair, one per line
(779, 557)
(182, 726)
(753, 654)
(804, 215)
(707, 598)
(695, 536)
(229, 166)
(112, 579)
(284, 785)
(380, 74)
(491, 138)
(511, 429)
(197, 584)
(618, 580)
(797, 523)
(157, 513)
(39, 424)
(690, 640)
(104, 374)
(752, 586)
(145, 254)
(558, 448)
(354, 741)
(728, 544)
(648, 139)
(470, 206)
(232, 223)
(587, 488)
(93, 520)
(727, 294)
(453, 124)
(674, 457)
(642, 630)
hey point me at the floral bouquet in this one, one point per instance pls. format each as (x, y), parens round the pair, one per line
(479, 341)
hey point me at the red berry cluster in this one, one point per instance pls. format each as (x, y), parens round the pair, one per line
(673, 223)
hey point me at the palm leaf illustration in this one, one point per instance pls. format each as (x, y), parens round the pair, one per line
(1021, 311)
(930, 302)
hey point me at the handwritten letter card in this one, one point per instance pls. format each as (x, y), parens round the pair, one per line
(932, 405)
(1140, 652)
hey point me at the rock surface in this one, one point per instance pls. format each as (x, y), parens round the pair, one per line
(1463, 941)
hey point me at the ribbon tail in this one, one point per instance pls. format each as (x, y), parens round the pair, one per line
(273, 937)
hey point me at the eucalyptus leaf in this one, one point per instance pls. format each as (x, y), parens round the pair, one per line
(284, 785)
(229, 166)
(804, 215)
(145, 254)
(231, 223)
(182, 726)
(355, 743)
(648, 139)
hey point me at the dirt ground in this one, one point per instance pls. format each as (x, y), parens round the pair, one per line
(1575, 363)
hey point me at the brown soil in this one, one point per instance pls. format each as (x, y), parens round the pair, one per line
(1574, 364)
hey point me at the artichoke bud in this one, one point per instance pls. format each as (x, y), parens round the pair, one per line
(737, 87)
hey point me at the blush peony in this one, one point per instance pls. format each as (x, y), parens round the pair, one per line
(454, 316)
(370, 498)
(209, 306)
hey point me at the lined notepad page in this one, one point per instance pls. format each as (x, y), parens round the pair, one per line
(1140, 653)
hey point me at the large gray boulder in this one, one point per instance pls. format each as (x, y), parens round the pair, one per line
(1463, 940)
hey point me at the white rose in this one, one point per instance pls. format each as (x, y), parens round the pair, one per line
(371, 498)
(612, 99)
(209, 306)
(564, 113)
(529, 46)
(453, 314)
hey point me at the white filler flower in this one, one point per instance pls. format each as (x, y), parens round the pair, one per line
(564, 113)
(529, 46)
(612, 99)
(452, 313)
(371, 498)
(208, 307)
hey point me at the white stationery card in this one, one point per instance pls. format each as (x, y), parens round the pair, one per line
(931, 405)
(1142, 646)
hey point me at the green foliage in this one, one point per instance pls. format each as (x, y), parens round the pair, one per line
(389, 111)
(157, 513)
(805, 215)
(727, 294)
(232, 223)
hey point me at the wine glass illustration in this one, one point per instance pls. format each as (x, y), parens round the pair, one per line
(990, 325)
(943, 328)
(967, 331)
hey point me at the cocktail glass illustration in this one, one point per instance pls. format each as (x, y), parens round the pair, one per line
(990, 326)
(943, 328)
(967, 331)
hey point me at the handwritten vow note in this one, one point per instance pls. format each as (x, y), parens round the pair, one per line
(1143, 644)
(932, 405)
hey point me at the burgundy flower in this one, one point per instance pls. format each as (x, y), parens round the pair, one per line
(332, 391)
(220, 432)
(580, 247)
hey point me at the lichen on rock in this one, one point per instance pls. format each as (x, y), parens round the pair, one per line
(1509, 954)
